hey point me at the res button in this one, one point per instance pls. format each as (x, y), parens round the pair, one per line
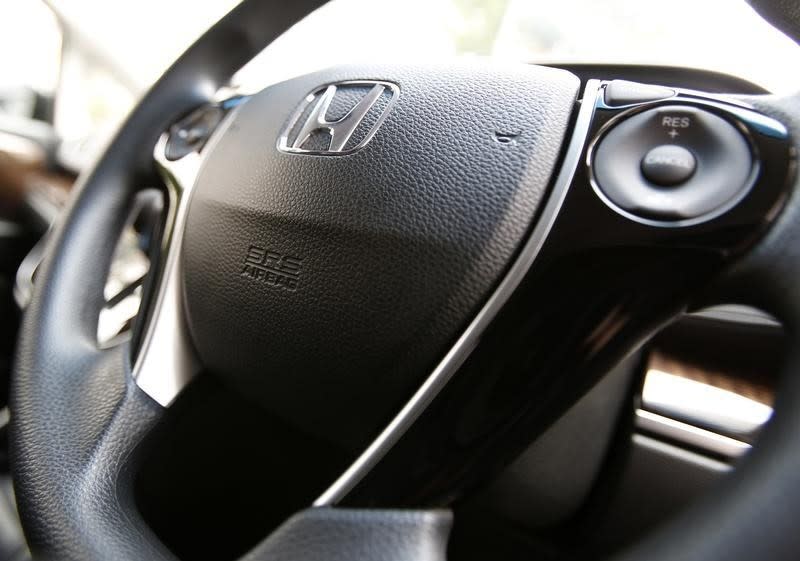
(668, 165)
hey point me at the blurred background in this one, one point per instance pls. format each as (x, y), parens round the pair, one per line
(97, 57)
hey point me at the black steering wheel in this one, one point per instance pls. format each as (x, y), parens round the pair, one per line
(424, 265)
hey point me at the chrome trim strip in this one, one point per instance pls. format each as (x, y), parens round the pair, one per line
(703, 405)
(166, 361)
(738, 314)
(469, 339)
(690, 435)
(682, 455)
(23, 281)
(5, 417)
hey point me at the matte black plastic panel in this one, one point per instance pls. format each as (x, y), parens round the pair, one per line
(656, 481)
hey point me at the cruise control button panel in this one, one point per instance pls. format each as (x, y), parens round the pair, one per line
(672, 163)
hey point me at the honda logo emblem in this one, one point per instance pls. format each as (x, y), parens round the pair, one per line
(363, 104)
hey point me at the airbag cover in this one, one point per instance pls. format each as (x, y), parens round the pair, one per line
(326, 287)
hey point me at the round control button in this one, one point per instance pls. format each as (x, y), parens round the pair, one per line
(668, 165)
(640, 166)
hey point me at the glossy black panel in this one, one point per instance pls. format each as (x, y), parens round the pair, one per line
(602, 284)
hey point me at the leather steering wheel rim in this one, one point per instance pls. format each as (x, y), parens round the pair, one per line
(78, 418)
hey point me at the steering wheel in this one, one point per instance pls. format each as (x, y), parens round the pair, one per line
(426, 265)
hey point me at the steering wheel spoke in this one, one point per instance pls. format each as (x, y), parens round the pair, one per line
(603, 280)
(165, 360)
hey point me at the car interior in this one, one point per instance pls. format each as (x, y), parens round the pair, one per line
(400, 281)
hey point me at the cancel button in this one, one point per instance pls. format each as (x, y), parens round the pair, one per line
(668, 165)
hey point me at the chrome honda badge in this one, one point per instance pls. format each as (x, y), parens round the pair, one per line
(363, 105)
